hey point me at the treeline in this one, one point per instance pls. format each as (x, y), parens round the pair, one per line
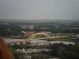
(7, 29)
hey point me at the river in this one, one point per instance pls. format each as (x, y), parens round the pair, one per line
(40, 42)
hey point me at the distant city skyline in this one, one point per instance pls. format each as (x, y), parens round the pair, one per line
(39, 9)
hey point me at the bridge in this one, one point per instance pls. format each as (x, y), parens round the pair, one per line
(38, 36)
(42, 35)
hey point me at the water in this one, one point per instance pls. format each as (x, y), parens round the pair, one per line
(39, 42)
(64, 42)
(8, 40)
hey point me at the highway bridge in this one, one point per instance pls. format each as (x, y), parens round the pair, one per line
(42, 36)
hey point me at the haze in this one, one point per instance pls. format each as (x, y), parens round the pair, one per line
(39, 9)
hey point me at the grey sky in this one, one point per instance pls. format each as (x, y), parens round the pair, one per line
(39, 9)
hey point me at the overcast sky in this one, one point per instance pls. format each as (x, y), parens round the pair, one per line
(39, 9)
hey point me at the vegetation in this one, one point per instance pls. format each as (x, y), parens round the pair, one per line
(56, 50)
